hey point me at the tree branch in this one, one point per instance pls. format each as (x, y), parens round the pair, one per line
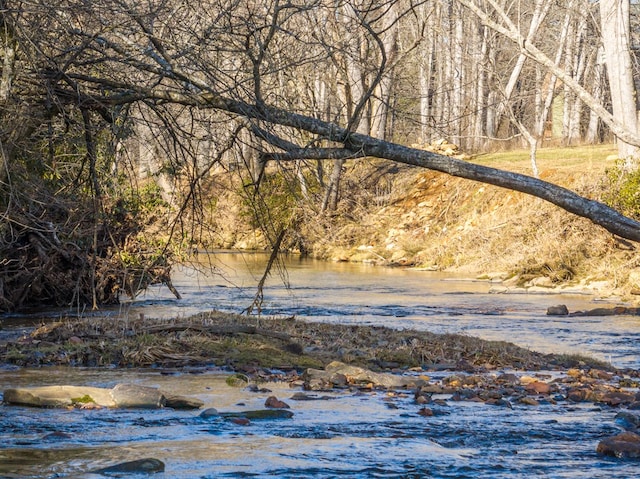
(364, 145)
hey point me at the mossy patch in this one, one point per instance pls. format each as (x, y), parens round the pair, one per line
(86, 399)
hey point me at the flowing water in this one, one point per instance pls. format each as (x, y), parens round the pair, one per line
(347, 433)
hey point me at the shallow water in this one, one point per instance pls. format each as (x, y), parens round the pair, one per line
(353, 434)
(401, 298)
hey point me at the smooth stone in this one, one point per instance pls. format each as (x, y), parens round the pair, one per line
(121, 396)
(628, 420)
(559, 310)
(275, 403)
(310, 397)
(139, 466)
(616, 398)
(209, 412)
(337, 373)
(182, 402)
(538, 387)
(139, 397)
(58, 396)
(623, 445)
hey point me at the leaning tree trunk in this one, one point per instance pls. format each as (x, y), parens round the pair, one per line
(359, 145)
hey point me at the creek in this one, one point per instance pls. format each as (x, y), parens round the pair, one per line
(346, 433)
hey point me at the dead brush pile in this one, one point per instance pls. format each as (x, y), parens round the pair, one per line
(63, 249)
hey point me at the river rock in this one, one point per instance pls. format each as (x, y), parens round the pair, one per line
(319, 379)
(259, 414)
(182, 402)
(140, 466)
(56, 436)
(528, 401)
(308, 397)
(275, 403)
(558, 310)
(134, 396)
(121, 396)
(538, 387)
(623, 445)
(617, 398)
(628, 420)
(209, 412)
(59, 396)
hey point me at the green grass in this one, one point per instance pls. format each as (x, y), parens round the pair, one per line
(547, 157)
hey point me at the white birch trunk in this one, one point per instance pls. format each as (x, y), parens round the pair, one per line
(614, 19)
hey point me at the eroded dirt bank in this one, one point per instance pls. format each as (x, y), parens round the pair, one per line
(431, 220)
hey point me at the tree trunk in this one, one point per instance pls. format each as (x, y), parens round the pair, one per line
(614, 21)
(358, 145)
(593, 129)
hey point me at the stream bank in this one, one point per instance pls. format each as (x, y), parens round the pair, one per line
(433, 221)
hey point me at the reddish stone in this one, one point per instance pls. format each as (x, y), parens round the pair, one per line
(538, 387)
(274, 402)
(615, 398)
(624, 445)
(240, 421)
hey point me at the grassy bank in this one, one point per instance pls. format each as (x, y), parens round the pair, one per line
(245, 343)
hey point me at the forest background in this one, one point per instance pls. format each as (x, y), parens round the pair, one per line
(133, 132)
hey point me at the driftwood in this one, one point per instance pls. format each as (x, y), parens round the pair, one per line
(222, 330)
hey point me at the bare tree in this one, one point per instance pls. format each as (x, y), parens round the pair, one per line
(275, 83)
(616, 31)
(496, 18)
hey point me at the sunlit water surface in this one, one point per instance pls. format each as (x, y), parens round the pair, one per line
(400, 298)
(350, 434)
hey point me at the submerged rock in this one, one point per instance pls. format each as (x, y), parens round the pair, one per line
(623, 445)
(259, 414)
(183, 402)
(209, 412)
(628, 420)
(140, 466)
(134, 396)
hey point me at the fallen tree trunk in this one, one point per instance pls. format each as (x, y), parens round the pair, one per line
(358, 145)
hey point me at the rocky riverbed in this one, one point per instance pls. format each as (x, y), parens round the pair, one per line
(432, 370)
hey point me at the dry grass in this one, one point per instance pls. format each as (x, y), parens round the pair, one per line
(240, 343)
(447, 223)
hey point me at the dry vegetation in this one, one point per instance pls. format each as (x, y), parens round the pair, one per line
(246, 343)
(435, 221)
